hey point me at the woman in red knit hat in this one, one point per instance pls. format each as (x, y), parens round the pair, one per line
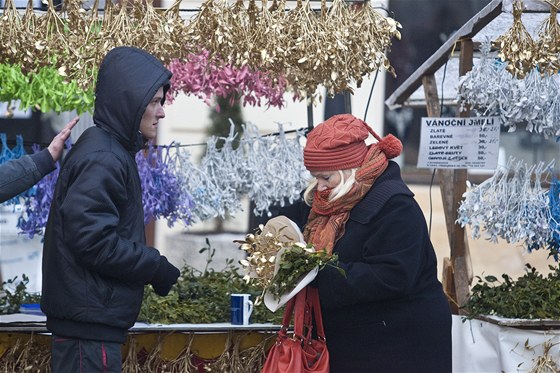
(389, 313)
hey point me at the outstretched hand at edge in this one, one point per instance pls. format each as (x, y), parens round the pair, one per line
(57, 144)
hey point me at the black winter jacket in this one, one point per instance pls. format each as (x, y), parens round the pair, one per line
(95, 260)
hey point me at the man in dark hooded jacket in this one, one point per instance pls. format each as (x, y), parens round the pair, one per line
(95, 258)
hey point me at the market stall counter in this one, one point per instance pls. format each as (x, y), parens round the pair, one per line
(219, 347)
(485, 344)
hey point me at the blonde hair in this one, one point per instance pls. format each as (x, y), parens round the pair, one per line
(340, 190)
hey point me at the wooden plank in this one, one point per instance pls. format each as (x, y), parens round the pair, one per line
(446, 182)
(445, 176)
(432, 98)
(466, 64)
(460, 255)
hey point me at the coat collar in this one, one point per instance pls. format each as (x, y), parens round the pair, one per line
(387, 185)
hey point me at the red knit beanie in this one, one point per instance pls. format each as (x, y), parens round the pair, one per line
(339, 144)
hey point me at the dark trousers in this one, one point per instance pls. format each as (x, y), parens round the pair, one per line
(72, 355)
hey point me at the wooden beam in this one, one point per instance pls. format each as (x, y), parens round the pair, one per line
(432, 98)
(460, 255)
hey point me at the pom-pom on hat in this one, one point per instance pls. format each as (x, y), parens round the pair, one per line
(339, 144)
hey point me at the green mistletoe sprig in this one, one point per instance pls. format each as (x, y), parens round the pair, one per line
(295, 263)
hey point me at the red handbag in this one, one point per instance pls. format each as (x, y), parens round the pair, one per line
(302, 351)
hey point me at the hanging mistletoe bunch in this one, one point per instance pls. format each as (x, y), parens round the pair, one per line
(489, 89)
(269, 170)
(50, 61)
(208, 200)
(554, 205)
(205, 77)
(250, 50)
(522, 53)
(333, 48)
(273, 168)
(161, 194)
(517, 47)
(45, 90)
(548, 43)
(36, 207)
(511, 205)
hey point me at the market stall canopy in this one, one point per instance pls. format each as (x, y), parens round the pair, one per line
(491, 22)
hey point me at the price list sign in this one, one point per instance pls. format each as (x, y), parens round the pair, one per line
(459, 143)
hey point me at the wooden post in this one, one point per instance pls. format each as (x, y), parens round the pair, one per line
(460, 255)
(434, 111)
(457, 272)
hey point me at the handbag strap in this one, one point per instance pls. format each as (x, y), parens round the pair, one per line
(315, 304)
(297, 307)
(306, 308)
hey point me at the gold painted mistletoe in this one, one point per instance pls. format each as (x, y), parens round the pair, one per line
(522, 53)
(333, 47)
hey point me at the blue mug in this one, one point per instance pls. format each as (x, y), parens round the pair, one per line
(241, 309)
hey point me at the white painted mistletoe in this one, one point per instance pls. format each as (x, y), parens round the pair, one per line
(511, 205)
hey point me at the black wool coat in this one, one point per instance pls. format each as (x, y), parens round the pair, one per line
(388, 313)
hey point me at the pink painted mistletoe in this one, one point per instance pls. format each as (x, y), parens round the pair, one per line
(205, 76)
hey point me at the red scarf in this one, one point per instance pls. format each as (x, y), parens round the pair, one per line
(327, 219)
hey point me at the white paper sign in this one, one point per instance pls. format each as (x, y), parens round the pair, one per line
(459, 143)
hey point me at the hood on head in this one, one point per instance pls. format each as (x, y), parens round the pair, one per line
(127, 80)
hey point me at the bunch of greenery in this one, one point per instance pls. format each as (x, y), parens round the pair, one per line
(201, 297)
(198, 297)
(531, 296)
(296, 263)
(14, 294)
(45, 90)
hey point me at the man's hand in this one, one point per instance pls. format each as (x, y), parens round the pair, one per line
(57, 144)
